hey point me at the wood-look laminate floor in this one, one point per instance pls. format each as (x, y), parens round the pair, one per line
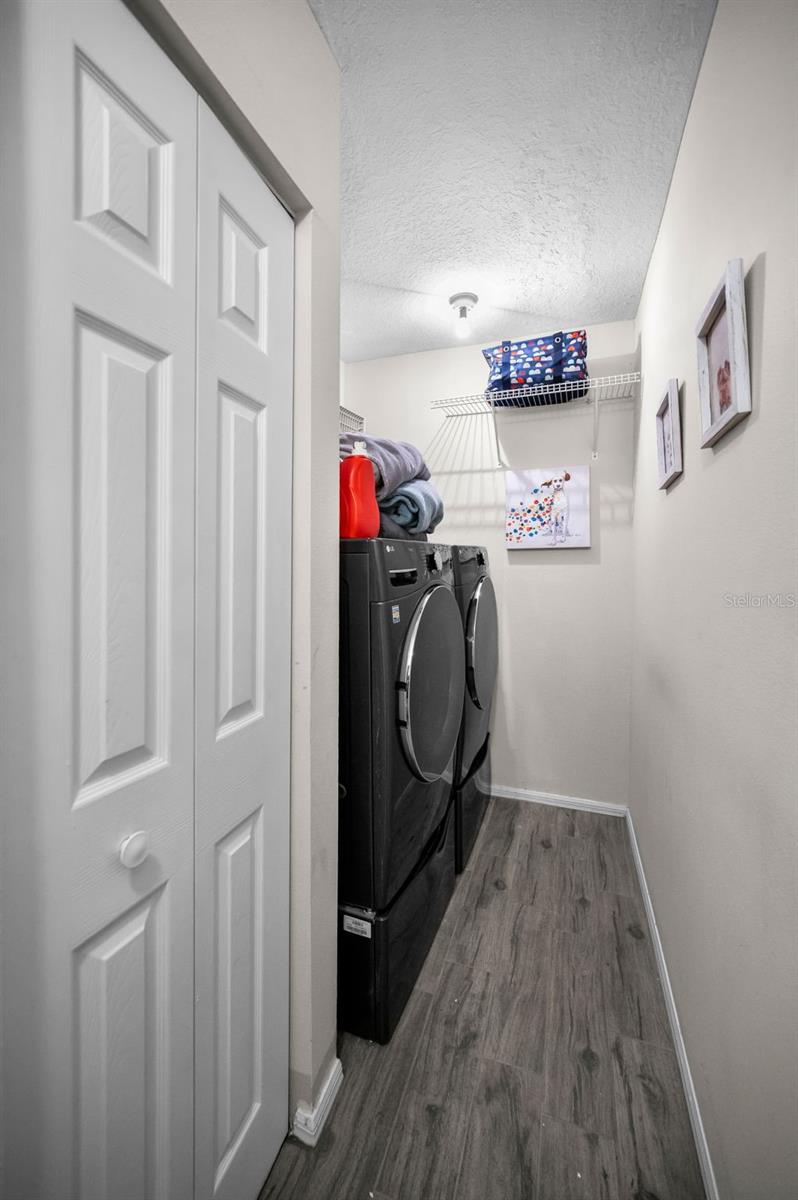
(534, 1059)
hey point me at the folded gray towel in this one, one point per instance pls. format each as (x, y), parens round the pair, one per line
(416, 506)
(395, 462)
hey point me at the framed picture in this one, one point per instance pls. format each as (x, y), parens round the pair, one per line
(669, 436)
(724, 381)
(547, 508)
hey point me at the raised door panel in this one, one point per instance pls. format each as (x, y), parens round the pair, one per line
(98, 1009)
(242, 275)
(239, 1013)
(123, 170)
(121, 1087)
(241, 558)
(122, 547)
(244, 420)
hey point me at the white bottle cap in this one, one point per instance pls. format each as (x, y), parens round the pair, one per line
(360, 448)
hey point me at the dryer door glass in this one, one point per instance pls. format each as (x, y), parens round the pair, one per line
(482, 644)
(431, 684)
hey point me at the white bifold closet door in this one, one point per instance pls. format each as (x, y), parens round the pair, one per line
(146, 416)
(243, 671)
(97, 955)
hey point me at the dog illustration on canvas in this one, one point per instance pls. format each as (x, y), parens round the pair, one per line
(558, 513)
(548, 508)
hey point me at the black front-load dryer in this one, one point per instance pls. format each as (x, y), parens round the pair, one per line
(401, 699)
(477, 601)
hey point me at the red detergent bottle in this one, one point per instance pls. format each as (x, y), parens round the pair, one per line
(360, 516)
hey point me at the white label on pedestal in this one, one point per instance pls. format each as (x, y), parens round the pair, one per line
(355, 925)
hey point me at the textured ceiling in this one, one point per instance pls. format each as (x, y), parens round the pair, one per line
(521, 149)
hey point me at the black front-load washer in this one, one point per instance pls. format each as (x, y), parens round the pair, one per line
(477, 601)
(401, 700)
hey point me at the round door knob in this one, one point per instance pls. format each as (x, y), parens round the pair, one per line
(134, 849)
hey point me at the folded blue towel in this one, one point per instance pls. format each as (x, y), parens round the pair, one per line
(389, 529)
(416, 506)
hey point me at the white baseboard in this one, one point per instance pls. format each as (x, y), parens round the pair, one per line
(621, 810)
(596, 806)
(699, 1134)
(309, 1122)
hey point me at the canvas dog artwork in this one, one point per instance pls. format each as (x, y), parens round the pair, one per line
(548, 509)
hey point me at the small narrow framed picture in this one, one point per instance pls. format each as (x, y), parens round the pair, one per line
(669, 436)
(724, 380)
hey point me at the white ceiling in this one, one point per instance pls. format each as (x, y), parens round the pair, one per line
(521, 149)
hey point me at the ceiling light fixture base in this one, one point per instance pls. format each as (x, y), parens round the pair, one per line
(463, 302)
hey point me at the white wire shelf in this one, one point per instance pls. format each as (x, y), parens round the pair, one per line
(349, 422)
(606, 387)
(521, 400)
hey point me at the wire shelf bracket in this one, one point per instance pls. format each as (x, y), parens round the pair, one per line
(520, 400)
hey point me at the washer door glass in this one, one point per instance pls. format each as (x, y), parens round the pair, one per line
(431, 684)
(482, 644)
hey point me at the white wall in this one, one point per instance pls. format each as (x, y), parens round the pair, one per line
(265, 65)
(713, 732)
(561, 722)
